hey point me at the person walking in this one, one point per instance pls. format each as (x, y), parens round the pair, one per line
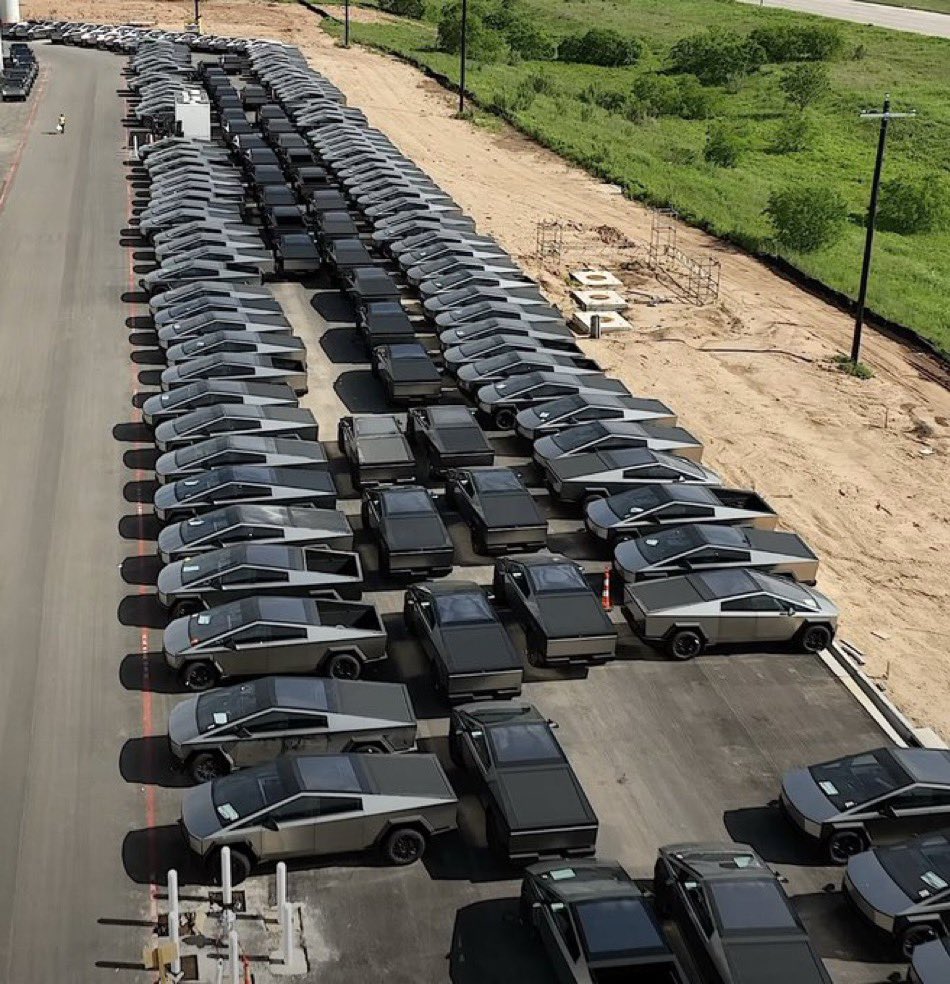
(61, 125)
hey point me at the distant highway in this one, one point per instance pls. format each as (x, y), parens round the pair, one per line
(896, 18)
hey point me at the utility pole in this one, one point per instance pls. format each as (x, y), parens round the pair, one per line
(346, 24)
(885, 116)
(462, 54)
(198, 15)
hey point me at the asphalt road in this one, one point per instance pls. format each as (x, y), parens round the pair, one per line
(896, 18)
(665, 752)
(65, 382)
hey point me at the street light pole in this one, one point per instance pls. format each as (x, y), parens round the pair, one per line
(885, 116)
(346, 24)
(462, 53)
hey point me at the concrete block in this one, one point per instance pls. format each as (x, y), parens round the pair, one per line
(609, 321)
(595, 278)
(599, 300)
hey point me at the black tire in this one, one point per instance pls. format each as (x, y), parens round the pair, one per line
(199, 676)
(685, 644)
(493, 836)
(455, 749)
(370, 748)
(914, 936)
(407, 615)
(182, 609)
(589, 498)
(343, 666)
(498, 589)
(478, 542)
(241, 865)
(844, 844)
(364, 515)
(815, 638)
(534, 649)
(404, 845)
(205, 766)
(662, 902)
(504, 419)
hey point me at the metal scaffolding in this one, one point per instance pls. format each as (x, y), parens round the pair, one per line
(698, 280)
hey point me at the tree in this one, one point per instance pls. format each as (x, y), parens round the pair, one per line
(482, 43)
(716, 57)
(794, 134)
(909, 206)
(803, 85)
(806, 217)
(723, 146)
(404, 8)
(600, 46)
(664, 95)
(798, 42)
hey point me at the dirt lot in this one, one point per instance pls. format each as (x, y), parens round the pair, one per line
(859, 468)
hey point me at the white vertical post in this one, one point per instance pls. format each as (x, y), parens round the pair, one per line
(281, 885)
(287, 929)
(234, 961)
(172, 890)
(226, 876)
(175, 940)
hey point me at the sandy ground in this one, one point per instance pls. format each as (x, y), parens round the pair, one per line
(859, 468)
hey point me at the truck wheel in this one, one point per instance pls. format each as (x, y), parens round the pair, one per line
(404, 845)
(478, 542)
(504, 419)
(241, 864)
(661, 893)
(455, 749)
(685, 644)
(844, 844)
(370, 748)
(493, 836)
(205, 766)
(200, 675)
(343, 666)
(182, 609)
(815, 638)
(498, 589)
(535, 649)
(914, 936)
(589, 498)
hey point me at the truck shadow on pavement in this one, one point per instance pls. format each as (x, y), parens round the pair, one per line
(765, 829)
(149, 357)
(838, 933)
(515, 955)
(149, 852)
(141, 490)
(141, 459)
(133, 432)
(361, 392)
(139, 527)
(148, 760)
(342, 346)
(142, 611)
(149, 672)
(141, 569)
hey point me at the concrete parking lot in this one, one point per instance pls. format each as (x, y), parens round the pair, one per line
(665, 752)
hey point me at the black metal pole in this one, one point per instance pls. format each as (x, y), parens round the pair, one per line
(346, 24)
(462, 54)
(869, 240)
(198, 14)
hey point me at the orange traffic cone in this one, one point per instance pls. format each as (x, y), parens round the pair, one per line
(605, 594)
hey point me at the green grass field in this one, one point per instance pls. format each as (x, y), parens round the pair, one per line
(660, 161)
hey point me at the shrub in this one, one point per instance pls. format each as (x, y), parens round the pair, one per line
(723, 146)
(909, 206)
(530, 41)
(716, 57)
(794, 134)
(404, 8)
(804, 84)
(600, 46)
(508, 102)
(543, 84)
(483, 43)
(663, 95)
(806, 217)
(798, 42)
